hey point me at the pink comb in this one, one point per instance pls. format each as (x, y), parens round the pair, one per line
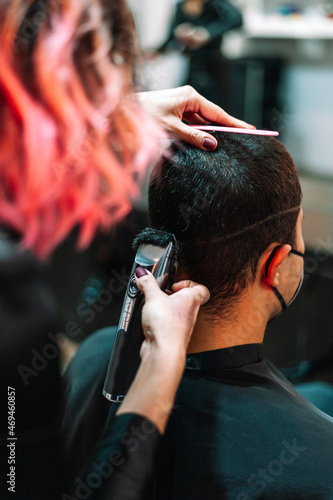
(236, 130)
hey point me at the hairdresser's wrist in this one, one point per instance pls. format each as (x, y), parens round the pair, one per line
(167, 359)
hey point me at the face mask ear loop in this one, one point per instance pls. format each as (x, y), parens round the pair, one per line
(281, 299)
(296, 252)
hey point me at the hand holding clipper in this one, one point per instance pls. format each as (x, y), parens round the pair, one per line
(156, 253)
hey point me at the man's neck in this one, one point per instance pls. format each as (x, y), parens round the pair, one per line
(246, 325)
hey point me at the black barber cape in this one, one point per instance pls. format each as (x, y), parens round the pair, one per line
(109, 457)
(238, 431)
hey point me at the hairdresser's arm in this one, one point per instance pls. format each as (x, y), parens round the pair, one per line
(170, 107)
(227, 17)
(126, 454)
(167, 321)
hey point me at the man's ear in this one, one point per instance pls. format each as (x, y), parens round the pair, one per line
(273, 258)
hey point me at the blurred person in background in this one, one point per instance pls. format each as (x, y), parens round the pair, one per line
(73, 143)
(196, 30)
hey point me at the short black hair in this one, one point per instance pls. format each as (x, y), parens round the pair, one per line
(225, 208)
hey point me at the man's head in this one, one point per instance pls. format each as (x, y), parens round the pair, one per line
(226, 208)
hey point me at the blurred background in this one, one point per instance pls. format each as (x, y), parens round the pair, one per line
(273, 67)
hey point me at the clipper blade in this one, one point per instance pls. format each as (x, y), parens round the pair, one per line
(150, 236)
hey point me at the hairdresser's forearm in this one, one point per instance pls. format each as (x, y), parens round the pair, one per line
(153, 391)
(167, 322)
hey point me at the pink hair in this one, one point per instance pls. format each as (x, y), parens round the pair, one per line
(73, 140)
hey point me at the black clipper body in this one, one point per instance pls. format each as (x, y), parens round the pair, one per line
(125, 355)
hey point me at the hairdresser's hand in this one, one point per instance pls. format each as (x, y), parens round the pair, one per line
(171, 107)
(190, 36)
(167, 321)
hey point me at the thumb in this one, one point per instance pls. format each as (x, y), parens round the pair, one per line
(201, 292)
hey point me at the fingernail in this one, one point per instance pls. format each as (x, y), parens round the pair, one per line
(140, 271)
(209, 144)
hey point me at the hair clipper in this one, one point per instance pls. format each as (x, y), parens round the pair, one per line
(157, 253)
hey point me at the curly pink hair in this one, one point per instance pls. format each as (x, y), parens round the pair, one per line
(73, 140)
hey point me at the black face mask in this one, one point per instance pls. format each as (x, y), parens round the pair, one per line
(276, 291)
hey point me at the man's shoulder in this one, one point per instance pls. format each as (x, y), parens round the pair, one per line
(83, 400)
(229, 426)
(93, 353)
(84, 377)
